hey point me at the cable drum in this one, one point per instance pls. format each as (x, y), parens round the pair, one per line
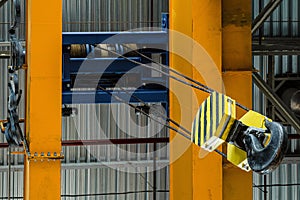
(105, 50)
(101, 50)
(78, 50)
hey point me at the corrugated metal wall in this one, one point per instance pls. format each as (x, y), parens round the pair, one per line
(282, 184)
(113, 167)
(112, 15)
(283, 22)
(96, 170)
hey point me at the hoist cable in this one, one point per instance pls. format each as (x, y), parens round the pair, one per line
(169, 69)
(187, 134)
(142, 111)
(199, 85)
(160, 113)
(157, 70)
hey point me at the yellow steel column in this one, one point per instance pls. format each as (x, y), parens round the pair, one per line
(207, 172)
(43, 107)
(181, 168)
(190, 176)
(223, 29)
(237, 76)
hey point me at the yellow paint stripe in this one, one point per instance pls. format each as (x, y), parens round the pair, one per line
(227, 109)
(208, 125)
(202, 125)
(193, 130)
(228, 113)
(196, 128)
(220, 108)
(214, 114)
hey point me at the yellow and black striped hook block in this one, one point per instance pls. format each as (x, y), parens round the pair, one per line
(213, 122)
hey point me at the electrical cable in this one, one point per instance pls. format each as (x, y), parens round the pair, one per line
(140, 174)
(112, 193)
(199, 85)
(274, 185)
(263, 191)
(277, 185)
(101, 194)
(9, 172)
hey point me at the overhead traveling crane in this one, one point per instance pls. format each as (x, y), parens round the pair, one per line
(248, 140)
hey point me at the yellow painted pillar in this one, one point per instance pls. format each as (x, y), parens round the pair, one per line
(190, 176)
(237, 76)
(207, 172)
(180, 147)
(222, 28)
(43, 103)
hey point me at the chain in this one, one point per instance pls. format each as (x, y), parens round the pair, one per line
(13, 131)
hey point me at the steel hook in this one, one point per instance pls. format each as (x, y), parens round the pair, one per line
(264, 159)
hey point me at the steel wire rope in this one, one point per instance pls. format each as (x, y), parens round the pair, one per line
(199, 85)
(187, 133)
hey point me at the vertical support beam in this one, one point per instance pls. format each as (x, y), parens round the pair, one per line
(227, 39)
(43, 107)
(190, 176)
(207, 23)
(237, 77)
(181, 159)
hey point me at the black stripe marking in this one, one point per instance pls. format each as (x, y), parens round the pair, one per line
(217, 109)
(211, 115)
(205, 121)
(194, 131)
(227, 119)
(199, 126)
(223, 105)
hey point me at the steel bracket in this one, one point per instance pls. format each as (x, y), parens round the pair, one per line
(42, 156)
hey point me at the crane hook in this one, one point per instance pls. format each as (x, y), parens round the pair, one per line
(264, 159)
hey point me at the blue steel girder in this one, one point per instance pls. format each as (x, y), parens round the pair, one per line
(79, 67)
(140, 37)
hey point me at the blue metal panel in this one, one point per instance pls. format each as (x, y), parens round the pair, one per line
(111, 65)
(141, 37)
(149, 96)
(95, 65)
(165, 21)
(91, 70)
